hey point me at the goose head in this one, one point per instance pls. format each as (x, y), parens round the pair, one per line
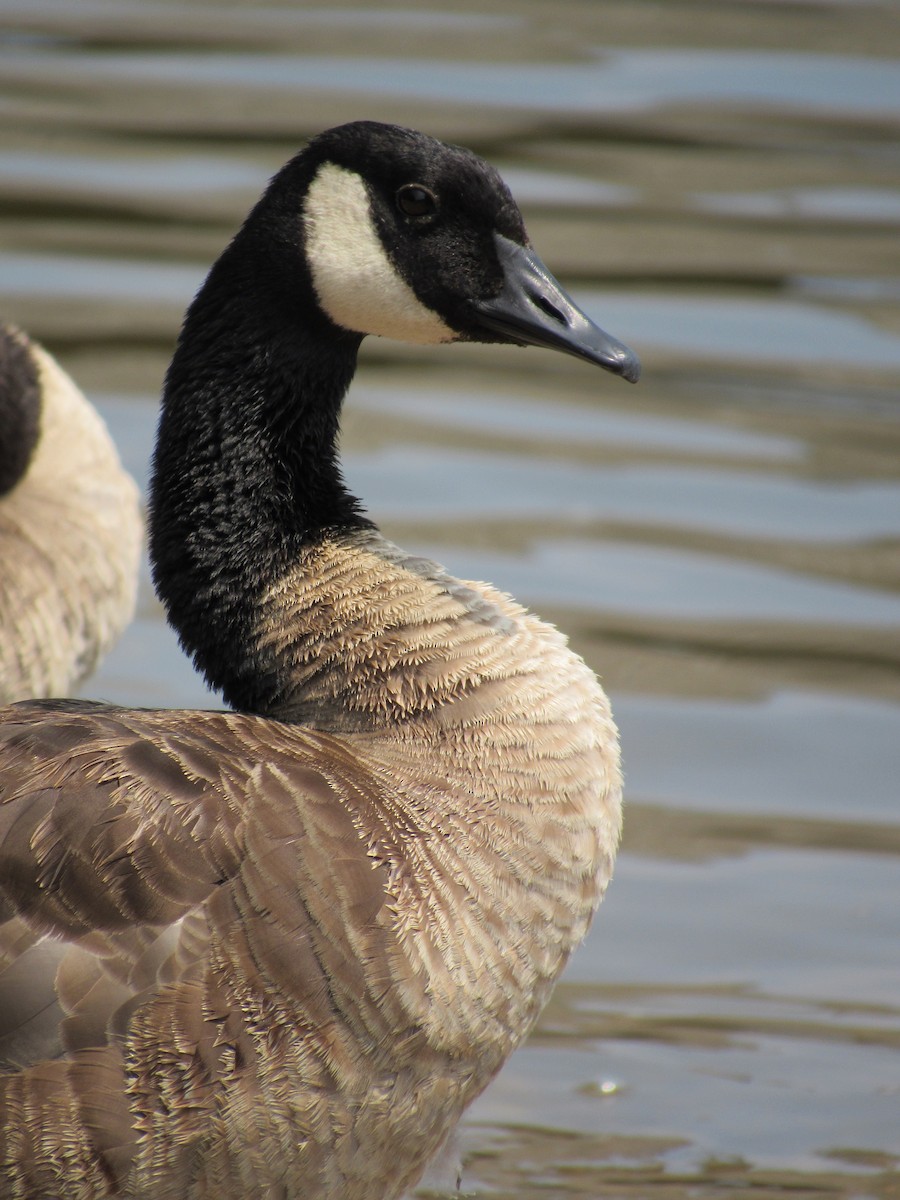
(371, 229)
(408, 238)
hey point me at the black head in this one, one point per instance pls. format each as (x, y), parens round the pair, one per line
(435, 209)
(407, 237)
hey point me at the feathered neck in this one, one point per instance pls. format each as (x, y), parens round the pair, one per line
(246, 472)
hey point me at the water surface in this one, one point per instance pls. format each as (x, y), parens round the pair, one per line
(722, 542)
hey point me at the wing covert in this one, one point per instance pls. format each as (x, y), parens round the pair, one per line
(111, 818)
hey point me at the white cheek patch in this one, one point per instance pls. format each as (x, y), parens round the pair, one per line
(356, 283)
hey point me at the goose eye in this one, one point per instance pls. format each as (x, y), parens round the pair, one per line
(416, 201)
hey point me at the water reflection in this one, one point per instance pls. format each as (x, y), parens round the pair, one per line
(72, 277)
(644, 581)
(122, 176)
(823, 203)
(795, 753)
(737, 328)
(583, 424)
(459, 484)
(610, 81)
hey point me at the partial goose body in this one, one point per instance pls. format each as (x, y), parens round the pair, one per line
(275, 951)
(70, 528)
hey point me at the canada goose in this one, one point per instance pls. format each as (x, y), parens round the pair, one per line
(275, 952)
(70, 528)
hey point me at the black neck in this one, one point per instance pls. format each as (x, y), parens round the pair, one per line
(20, 409)
(246, 471)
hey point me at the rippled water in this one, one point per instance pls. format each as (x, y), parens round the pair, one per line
(719, 183)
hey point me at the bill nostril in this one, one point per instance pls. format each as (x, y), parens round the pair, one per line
(547, 307)
(532, 308)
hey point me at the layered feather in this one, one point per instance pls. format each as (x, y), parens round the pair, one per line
(233, 941)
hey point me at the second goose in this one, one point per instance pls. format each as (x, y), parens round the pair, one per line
(275, 951)
(70, 527)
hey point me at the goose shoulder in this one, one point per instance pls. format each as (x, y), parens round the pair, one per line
(277, 949)
(70, 528)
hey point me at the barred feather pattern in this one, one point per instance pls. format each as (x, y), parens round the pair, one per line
(276, 956)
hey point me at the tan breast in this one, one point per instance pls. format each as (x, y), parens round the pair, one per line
(495, 752)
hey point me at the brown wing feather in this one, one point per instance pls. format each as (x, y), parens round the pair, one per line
(106, 841)
(272, 946)
(163, 884)
(111, 818)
